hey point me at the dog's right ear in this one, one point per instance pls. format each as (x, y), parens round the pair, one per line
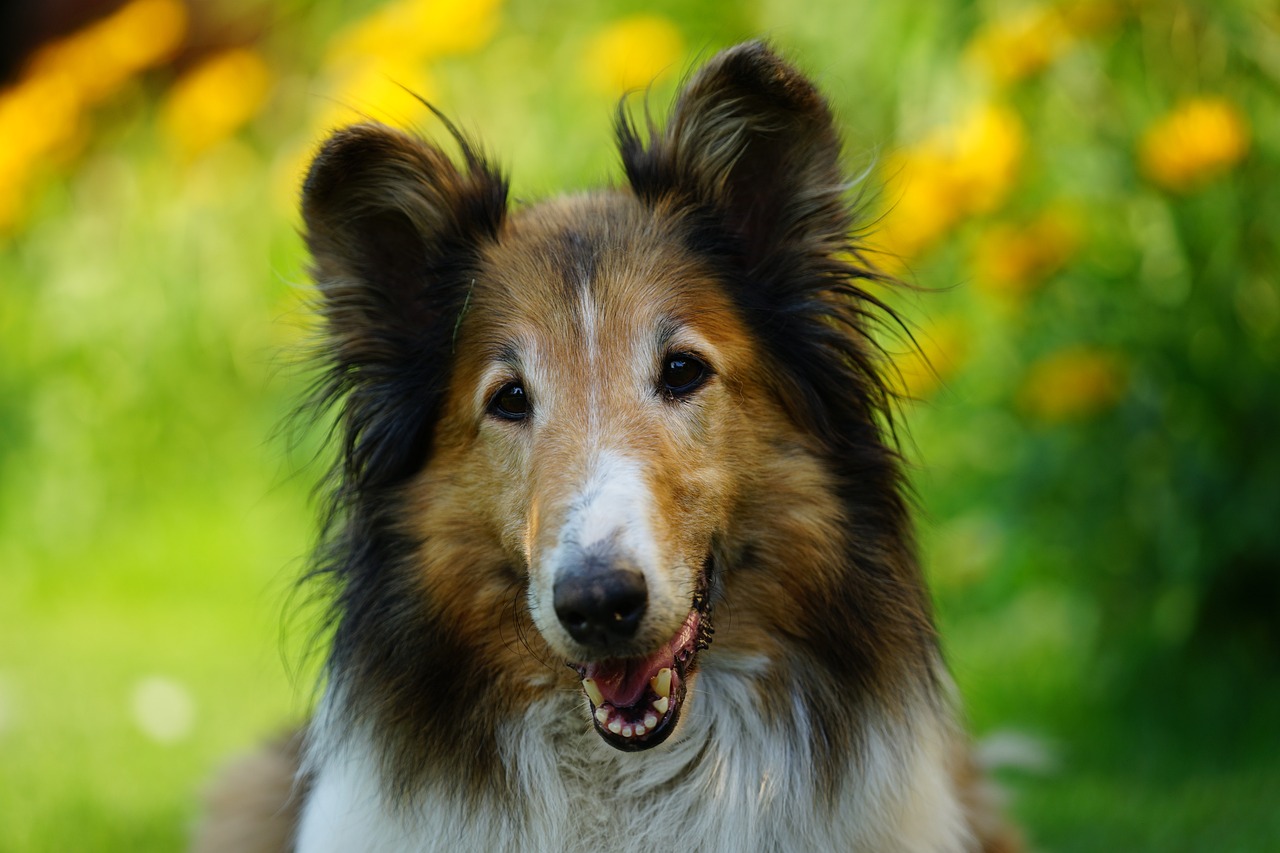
(388, 220)
(394, 228)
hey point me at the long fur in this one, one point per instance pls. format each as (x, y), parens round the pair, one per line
(769, 495)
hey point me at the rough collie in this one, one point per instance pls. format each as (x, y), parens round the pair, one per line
(619, 551)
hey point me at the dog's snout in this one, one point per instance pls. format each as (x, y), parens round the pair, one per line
(601, 605)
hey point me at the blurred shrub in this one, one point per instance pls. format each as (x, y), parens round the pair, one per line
(1089, 186)
(1122, 310)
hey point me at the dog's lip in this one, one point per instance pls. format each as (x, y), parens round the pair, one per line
(635, 702)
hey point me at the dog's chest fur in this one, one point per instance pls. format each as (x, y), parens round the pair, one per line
(731, 782)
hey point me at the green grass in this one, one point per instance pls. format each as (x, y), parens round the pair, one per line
(192, 594)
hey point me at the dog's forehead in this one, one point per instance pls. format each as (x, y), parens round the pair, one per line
(601, 266)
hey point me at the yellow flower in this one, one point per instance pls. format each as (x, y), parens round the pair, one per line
(1198, 140)
(1023, 44)
(36, 116)
(98, 59)
(43, 113)
(1011, 260)
(143, 33)
(409, 31)
(215, 99)
(631, 53)
(378, 91)
(988, 147)
(1014, 48)
(925, 202)
(378, 65)
(938, 354)
(962, 170)
(1072, 384)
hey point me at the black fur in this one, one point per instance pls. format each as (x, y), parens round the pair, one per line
(748, 170)
(765, 200)
(394, 229)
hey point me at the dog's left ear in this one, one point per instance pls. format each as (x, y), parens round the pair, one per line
(750, 157)
(751, 138)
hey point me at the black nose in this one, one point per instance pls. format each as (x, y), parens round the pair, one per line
(600, 606)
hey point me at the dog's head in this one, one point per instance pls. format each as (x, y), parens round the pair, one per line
(605, 403)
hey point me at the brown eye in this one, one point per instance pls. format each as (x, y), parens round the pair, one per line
(682, 374)
(510, 402)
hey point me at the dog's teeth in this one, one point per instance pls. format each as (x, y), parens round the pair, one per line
(661, 705)
(593, 692)
(661, 683)
(626, 731)
(650, 721)
(602, 715)
(616, 727)
(639, 730)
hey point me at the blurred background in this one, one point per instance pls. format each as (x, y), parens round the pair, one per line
(1085, 193)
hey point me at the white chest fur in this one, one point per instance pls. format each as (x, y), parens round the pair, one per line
(727, 781)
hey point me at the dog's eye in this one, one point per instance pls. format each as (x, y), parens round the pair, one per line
(510, 402)
(682, 373)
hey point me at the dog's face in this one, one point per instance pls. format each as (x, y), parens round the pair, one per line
(581, 416)
(596, 423)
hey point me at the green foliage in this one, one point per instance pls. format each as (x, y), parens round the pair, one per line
(1085, 191)
(1157, 503)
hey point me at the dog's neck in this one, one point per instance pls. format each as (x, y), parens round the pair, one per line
(739, 776)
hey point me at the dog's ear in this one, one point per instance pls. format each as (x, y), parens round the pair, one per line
(750, 159)
(394, 228)
(388, 219)
(751, 138)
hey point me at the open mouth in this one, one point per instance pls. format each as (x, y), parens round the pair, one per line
(636, 702)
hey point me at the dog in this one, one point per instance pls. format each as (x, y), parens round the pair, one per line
(619, 549)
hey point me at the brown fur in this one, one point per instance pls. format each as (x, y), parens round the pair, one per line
(731, 240)
(984, 806)
(253, 805)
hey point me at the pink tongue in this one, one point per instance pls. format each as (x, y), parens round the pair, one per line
(622, 682)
